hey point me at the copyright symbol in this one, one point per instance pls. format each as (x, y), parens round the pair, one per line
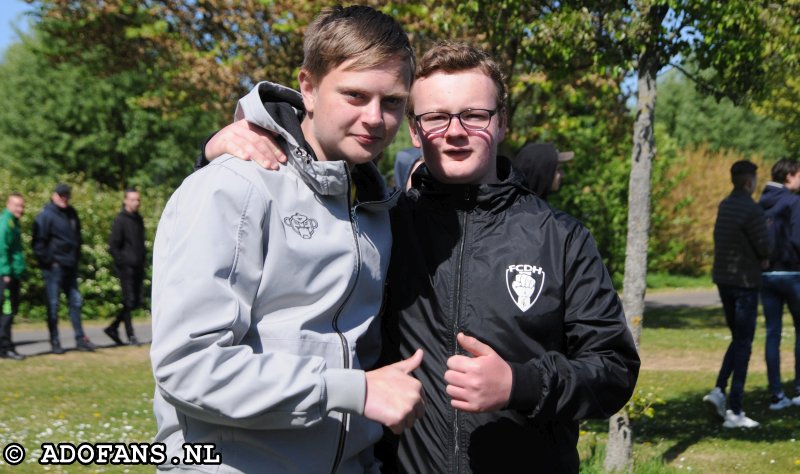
(13, 454)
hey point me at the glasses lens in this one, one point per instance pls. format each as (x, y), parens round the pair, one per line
(434, 121)
(475, 119)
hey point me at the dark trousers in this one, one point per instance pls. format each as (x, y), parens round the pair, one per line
(7, 319)
(56, 280)
(130, 279)
(741, 310)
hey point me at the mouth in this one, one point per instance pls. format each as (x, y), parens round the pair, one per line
(368, 139)
(457, 153)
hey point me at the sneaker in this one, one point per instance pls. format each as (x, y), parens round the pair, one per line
(132, 340)
(113, 334)
(716, 399)
(11, 354)
(57, 349)
(84, 344)
(796, 400)
(733, 420)
(780, 402)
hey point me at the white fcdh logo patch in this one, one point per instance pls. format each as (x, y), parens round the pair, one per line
(303, 225)
(524, 283)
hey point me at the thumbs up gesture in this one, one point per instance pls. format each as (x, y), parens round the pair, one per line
(480, 383)
(394, 397)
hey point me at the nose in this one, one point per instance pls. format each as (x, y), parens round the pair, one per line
(455, 129)
(372, 114)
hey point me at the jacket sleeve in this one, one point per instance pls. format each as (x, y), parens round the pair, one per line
(756, 231)
(596, 373)
(41, 239)
(208, 258)
(5, 243)
(794, 226)
(116, 241)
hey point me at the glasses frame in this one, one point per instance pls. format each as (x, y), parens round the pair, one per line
(492, 113)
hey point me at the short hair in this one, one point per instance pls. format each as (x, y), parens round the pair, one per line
(15, 194)
(452, 56)
(358, 32)
(783, 168)
(129, 190)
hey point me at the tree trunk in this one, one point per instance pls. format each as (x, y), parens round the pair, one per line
(619, 451)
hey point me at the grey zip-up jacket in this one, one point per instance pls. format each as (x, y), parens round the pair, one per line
(266, 287)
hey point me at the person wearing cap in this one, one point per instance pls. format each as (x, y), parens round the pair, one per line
(540, 164)
(741, 251)
(57, 246)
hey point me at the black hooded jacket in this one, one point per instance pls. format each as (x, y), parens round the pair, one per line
(57, 236)
(538, 166)
(457, 252)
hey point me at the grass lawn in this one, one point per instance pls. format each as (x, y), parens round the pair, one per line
(106, 396)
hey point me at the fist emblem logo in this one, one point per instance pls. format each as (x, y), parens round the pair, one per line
(524, 284)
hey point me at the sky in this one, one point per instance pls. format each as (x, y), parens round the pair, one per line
(11, 14)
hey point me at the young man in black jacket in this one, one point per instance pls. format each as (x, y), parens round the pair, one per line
(523, 332)
(126, 245)
(57, 246)
(741, 251)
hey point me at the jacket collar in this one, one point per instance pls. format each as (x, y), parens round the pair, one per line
(488, 197)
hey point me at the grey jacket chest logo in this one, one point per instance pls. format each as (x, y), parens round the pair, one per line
(524, 283)
(302, 225)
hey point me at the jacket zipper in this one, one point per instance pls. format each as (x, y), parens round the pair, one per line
(345, 346)
(456, 423)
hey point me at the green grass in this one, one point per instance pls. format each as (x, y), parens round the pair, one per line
(107, 397)
(666, 280)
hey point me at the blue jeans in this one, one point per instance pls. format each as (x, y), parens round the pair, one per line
(778, 288)
(57, 279)
(741, 310)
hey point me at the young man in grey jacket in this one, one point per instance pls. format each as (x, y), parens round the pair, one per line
(266, 285)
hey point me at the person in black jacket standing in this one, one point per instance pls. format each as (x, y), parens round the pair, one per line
(741, 251)
(57, 246)
(126, 245)
(522, 330)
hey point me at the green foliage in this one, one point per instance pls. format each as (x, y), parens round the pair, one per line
(97, 205)
(693, 119)
(61, 118)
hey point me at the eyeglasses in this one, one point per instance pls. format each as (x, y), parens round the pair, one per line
(471, 119)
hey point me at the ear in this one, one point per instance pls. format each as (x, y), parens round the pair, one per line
(412, 130)
(307, 90)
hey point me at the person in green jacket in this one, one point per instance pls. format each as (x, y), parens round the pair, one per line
(12, 270)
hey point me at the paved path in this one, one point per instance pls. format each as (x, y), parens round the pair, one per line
(33, 341)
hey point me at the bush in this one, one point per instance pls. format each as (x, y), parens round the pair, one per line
(97, 206)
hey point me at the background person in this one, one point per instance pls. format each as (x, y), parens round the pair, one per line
(57, 246)
(126, 245)
(541, 165)
(12, 270)
(741, 250)
(780, 284)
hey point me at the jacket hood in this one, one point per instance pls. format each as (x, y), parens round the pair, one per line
(538, 164)
(775, 198)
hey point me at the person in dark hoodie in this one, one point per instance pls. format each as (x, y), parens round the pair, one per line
(126, 245)
(780, 283)
(540, 164)
(57, 246)
(405, 163)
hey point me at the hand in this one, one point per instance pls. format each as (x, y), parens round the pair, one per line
(248, 142)
(477, 384)
(524, 285)
(394, 398)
